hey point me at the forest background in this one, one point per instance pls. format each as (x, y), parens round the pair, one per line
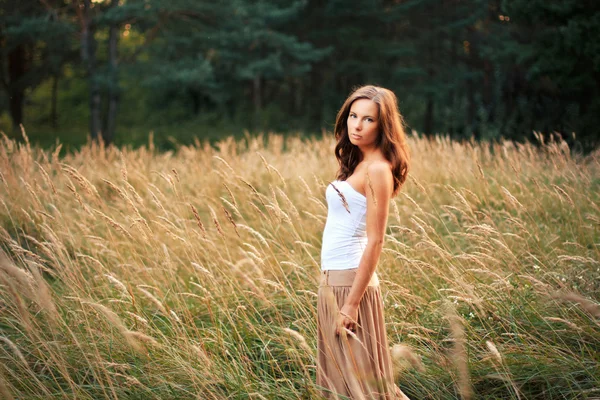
(136, 272)
(181, 69)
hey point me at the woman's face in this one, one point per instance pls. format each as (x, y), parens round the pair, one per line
(363, 123)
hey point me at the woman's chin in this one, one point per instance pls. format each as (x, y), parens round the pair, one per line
(354, 141)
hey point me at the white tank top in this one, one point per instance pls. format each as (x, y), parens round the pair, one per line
(345, 234)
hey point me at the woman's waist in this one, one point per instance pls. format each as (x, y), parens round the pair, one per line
(342, 238)
(343, 251)
(343, 277)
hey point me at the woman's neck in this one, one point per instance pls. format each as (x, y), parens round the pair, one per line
(371, 154)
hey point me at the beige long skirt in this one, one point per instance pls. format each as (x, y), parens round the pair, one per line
(355, 366)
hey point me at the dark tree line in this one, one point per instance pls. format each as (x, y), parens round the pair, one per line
(483, 68)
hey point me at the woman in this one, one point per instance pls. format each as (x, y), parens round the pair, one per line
(353, 354)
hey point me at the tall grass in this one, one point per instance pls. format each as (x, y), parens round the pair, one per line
(193, 273)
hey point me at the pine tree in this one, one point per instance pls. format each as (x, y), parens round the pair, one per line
(227, 52)
(33, 49)
(555, 45)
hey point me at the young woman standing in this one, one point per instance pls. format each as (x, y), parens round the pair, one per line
(353, 353)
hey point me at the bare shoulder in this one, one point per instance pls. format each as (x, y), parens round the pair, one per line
(380, 178)
(380, 171)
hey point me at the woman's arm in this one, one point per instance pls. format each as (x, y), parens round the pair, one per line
(378, 187)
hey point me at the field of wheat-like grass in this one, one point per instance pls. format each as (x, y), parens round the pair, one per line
(136, 274)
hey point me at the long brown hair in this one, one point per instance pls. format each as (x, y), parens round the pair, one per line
(391, 139)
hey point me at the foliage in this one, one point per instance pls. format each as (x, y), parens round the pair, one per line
(470, 68)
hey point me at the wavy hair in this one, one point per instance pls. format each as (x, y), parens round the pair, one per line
(391, 139)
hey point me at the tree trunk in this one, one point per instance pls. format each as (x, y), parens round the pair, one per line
(488, 88)
(454, 41)
(428, 126)
(298, 95)
(428, 123)
(113, 91)
(257, 89)
(474, 66)
(88, 54)
(16, 70)
(54, 101)
(195, 96)
(471, 108)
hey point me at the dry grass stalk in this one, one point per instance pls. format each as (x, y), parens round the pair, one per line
(203, 356)
(117, 283)
(263, 216)
(154, 300)
(290, 203)
(13, 347)
(32, 193)
(114, 319)
(418, 184)
(23, 279)
(230, 194)
(202, 269)
(587, 305)
(73, 190)
(300, 340)
(256, 234)
(175, 316)
(306, 187)
(494, 350)
(249, 185)
(83, 182)
(198, 221)
(564, 321)
(139, 319)
(512, 199)
(5, 392)
(225, 163)
(130, 380)
(139, 336)
(342, 197)
(230, 219)
(156, 201)
(123, 166)
(281, 178)
(371, 189)
(403, 356)
(114, 224)
(265, 163)
(232, 206)
(216, 221)
(176, 175)
(44, 297)
(459, 353)
(481, 174)
(117, 189)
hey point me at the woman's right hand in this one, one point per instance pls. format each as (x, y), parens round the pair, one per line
(347, 318)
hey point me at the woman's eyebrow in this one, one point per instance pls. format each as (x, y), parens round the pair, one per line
(354, 112)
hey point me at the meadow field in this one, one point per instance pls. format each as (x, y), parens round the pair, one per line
(192, 274)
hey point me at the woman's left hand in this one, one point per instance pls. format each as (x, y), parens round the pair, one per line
(347, 318)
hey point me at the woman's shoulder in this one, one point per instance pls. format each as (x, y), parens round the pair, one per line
(379, 176)
(380, 168)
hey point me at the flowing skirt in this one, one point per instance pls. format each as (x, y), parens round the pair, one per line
(356, 366)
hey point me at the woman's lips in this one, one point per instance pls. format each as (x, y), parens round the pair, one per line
(355, 136)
